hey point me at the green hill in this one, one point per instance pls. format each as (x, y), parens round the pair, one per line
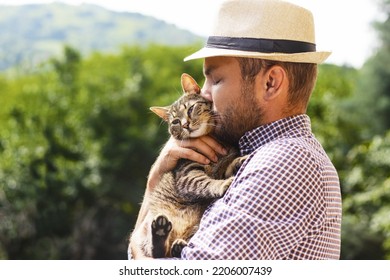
(32, 33)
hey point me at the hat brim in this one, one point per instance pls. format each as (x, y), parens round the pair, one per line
(306, 57)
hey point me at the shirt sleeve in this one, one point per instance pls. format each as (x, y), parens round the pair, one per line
(275, 202)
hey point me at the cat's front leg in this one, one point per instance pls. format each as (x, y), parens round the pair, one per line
(223, 185)
(196, 185)
(234, 166)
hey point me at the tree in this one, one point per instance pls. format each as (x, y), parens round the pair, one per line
(76, 143)
(373, 95)
(365, 176)
(327, 109)
(366, 203)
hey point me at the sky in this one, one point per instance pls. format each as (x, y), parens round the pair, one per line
(342, 26)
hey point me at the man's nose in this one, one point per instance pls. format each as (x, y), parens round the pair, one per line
(206, 93)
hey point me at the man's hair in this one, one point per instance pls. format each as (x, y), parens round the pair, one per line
(302, 77)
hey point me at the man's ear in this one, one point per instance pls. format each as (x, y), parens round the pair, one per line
(275, 81)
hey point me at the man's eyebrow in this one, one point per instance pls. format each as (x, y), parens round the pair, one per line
(209, 69)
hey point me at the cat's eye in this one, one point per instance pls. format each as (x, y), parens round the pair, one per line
(189, 111)
(176, 121)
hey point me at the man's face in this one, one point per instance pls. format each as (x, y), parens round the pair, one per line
(234, 101)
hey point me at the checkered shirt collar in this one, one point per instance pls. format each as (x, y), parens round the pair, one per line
(292, 126)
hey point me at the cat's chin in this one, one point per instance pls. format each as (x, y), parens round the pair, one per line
(202, 130)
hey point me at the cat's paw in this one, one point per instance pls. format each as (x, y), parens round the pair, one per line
(161, 226)
(224, 186)
(177, 247)
(233, 168)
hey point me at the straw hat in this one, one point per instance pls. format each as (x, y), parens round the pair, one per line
(267, 29)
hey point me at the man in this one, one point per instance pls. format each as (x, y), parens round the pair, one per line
(260, 67)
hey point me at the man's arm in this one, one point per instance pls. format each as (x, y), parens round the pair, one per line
(276, 204)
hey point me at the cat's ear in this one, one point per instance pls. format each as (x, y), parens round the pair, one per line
(189, 85)
(162, 112)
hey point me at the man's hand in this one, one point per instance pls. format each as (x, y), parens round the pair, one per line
(203, 150)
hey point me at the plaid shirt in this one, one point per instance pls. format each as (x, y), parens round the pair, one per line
(284, 203)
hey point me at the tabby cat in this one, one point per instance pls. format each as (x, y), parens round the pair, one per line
(177, 203)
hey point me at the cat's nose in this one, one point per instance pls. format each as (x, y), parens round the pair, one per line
(186, 125)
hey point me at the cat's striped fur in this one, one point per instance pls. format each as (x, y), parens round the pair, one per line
(177, 203)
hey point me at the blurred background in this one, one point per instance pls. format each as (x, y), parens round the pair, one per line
(77, 138)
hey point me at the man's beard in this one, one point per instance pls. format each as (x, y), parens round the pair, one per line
(240, 117)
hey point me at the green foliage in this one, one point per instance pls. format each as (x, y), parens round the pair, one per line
(76, 143)
(328, 109)
(367, 200)
(373, 95)
(77, 139)
(365, 176)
